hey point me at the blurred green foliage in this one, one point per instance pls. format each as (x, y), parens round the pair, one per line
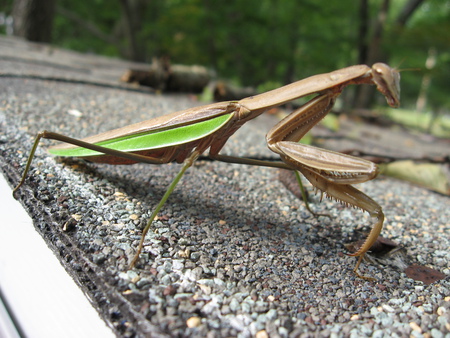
(262, 42)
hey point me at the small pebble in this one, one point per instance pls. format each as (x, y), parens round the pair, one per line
(193, 322)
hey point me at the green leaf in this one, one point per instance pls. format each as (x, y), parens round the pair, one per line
(428, 175)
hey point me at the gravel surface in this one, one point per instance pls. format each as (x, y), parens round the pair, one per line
(233, 253)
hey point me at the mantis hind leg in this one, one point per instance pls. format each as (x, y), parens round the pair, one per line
(30, 159)
(186, 165)
(59, 137)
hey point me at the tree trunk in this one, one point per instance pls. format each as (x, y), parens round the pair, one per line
(371, 53)
(33, 19)
(349, 96)
(132, 10)
(363, 31)
(366, 93)
(408, 11)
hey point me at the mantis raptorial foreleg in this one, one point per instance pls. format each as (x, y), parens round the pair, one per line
(183, 136)
(328, 171)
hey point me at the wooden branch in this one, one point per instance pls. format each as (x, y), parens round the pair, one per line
(170, 78)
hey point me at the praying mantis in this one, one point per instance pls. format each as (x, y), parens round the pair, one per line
(183, 136)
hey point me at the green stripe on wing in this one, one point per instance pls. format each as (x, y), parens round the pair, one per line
(152, 140)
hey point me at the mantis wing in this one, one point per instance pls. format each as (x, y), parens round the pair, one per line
(169, 130)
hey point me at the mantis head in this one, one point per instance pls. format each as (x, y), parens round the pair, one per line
(387, 80)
